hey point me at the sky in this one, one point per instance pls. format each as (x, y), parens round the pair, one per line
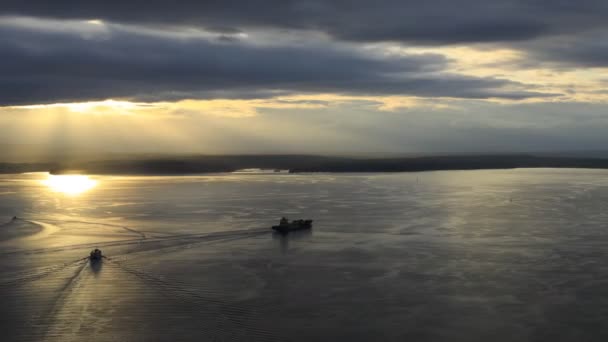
(320, 77)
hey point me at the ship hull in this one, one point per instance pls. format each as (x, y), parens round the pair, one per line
(292, 227)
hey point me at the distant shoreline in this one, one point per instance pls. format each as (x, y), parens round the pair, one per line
(302, 164)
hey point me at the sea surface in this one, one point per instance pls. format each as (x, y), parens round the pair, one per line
(501, 255)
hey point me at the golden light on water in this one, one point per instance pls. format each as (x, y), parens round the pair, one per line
(69, 184)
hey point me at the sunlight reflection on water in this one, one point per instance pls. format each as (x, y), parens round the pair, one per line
(69, 184)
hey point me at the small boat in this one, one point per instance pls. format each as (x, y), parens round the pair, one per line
(285, 226)
(95, 255)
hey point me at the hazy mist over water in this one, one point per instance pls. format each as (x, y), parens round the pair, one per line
(501, 255)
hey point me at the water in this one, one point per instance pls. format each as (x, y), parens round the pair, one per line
(503, 255)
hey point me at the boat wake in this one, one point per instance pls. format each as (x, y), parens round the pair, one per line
(223, 320)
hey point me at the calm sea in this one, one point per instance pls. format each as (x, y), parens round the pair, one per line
(501, 255)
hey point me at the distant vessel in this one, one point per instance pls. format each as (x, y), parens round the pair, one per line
(259, 171)
(95, 255)
(285, 226)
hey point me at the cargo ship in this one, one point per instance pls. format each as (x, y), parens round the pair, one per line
(285, 226)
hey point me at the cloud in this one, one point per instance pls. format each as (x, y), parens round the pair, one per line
(589, 50)
(347, 127)
(386, 75)
(83, 61)
(427, 22)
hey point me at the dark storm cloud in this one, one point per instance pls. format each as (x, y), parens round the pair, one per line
(44, 63)
(585, 50)
(429, 21)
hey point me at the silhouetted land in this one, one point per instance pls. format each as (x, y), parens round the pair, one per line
(303, 163)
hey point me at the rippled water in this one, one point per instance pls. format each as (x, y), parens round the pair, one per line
(515, 255)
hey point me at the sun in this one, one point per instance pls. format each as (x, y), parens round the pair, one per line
(69, 184)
